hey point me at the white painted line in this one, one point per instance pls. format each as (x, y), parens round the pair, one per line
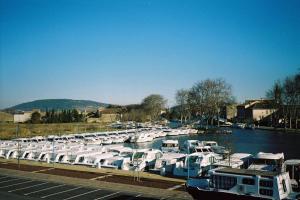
(176, 187)
(107, 196)
(99, 177)
(44, 189)
(81, 194)
(15, 184)
(27, 187)
(60, 192)
(3, 177)
(42, 170)
(138, 195)
(10, 180)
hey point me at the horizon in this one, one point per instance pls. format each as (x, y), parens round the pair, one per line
(119, 52)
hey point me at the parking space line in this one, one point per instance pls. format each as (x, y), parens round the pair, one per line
(44, 189)
(15, 184)
(176, 187)
(108, 195)
(27, 187)
(81, 194)
(42, 170)
(99, 177)
(3, 177)
(60, 192)
(10, 180)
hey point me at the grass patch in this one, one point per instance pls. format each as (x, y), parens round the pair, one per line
(8, 130)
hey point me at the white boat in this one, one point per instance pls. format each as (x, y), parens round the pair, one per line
(189, 145)
(166, 164)
(143, 137)
(170, 146)
(236, 160)
(215, 147)
(268, 161)
(142, 159)
(194, 164)
(172, 132)
(231, 183)
(92, 141)
(293, 168)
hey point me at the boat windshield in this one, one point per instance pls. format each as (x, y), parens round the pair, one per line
(265, 162)
(194, 159)
(138, 155)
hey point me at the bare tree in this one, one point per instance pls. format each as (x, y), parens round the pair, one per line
(208, 96)
(153, 105)
(182, 99)
(292, 97)
(276, 93)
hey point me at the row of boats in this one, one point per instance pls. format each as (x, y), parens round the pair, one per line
(211, 170)
(113, 137)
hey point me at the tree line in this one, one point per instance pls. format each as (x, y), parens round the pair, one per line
(202, 101)
(62, 116)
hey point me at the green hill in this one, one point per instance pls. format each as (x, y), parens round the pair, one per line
(58, 104)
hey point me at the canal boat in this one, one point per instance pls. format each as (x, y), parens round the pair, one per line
(165, 164)
(293, 168)
(236, 160)
(143, 159)
(170, 146)
(231, 183)
(268, 161)
(195, 164)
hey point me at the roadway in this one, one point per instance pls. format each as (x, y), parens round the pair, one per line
(16, 188)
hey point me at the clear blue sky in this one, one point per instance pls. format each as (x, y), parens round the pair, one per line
(121, 51)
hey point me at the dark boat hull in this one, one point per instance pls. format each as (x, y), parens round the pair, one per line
(214, 195)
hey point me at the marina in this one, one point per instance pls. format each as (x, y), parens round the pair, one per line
(179, 153)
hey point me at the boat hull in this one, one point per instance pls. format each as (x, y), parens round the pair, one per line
(207, 194)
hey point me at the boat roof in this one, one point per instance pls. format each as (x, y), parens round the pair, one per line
(172, 155)
(240, 155)
(170, 141)
(275, 156)
(247, 172)
(292, 162)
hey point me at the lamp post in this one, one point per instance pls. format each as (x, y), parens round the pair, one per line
(17, 136)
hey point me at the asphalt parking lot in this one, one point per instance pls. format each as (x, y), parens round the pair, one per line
(21, 189)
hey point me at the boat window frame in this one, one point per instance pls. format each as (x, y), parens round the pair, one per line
(266, 183)
(248, 181)
(266, 192)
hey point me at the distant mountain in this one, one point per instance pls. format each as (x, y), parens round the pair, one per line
(58, 104)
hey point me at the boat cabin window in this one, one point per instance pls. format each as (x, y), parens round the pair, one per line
(61, 158)
(284, 185)
(170, 145)
(248, 181)
(266, 162)
(26, 155)
(266, 183)
(222, 182)
(266, 192)
(43, 156)
(81, 159)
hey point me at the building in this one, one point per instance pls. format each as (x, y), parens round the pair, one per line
(255, 110)
(22, 117)
(228, 112)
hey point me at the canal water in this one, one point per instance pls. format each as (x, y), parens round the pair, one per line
(243, 141)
